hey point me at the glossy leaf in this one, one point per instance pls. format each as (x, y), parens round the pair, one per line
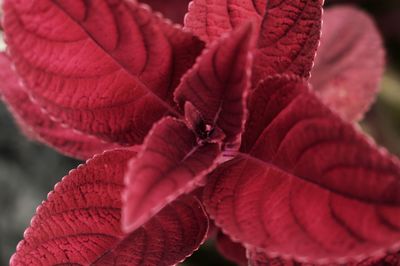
(36, 125)
(79, 223)
(289, 37)
(172, 9)
(307, 185)
(350, 62)
(218, 83)
(210, 19)
(233, 251)
(107, 68)
(170, 163)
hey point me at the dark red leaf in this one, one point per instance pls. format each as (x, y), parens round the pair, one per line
(79, 224)
(218, 83)
(311, 187)
(289, 37)
(106, 67)
(39, 126)
(289, 30)
(233, 251)
(170, 163)
(257, 258)
(388, 260)
(210, 19)
(172, 9)
(350, 62)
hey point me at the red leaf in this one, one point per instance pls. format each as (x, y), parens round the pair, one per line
(218, 83)
(170, 163)
(289, 30)
(391, 259)
(311, 186)
(39, 126)
(210, 19)
(172, 9)
(103, 67)
(257, 258)
(233, 251)
(289, 37)
(350, 62)
(79, 224)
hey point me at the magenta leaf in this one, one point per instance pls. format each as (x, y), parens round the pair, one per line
(218, 83)
(307, 186)
(108, 68)
(233, 251)
(39, 126)
(172, 9)
(347, 73)
(210, 19)
(170, 163)
(79, 223)
(289, 37)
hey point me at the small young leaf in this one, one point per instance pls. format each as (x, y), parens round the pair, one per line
(218, 83)
(350, 62)
(170, 163)
(79, 223)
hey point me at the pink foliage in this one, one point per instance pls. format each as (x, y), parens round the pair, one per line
(220, 108)
(352, 67)
(79, 223)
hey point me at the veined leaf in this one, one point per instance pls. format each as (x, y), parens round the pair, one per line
(79, 223)
(219, 82)
(307, 186)
(37, 125)
(108, 68)
(170, 163)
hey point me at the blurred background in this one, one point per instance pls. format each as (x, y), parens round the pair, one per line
(28, 170)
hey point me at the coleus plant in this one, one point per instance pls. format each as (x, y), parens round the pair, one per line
(213, 121)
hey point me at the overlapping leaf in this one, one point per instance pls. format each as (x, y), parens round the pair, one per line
(209, 19)
(79, 224)
(289, 37)
(172, 9)
(349, 63)
(261, 259)
(257, 258)
(39, 126)
(234, 252)
(310, 187)
(218, 84)
(170, 163)
(289, 31)
(104, 67)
